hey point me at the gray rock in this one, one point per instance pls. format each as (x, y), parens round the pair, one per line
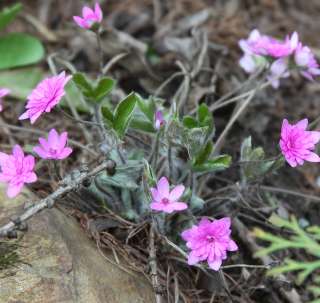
(60, 264)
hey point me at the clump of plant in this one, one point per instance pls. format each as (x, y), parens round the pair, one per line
(150, 160)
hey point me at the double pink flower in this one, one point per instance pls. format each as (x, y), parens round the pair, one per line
(262, 51)
(16, 170)
(45, 96)
(297, 143)
(209, 241)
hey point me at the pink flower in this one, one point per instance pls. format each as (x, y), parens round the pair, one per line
(3, 93)
(210, 240)
(306, 61)
(16, 169)
(278, 69)
(268, 46)
(90, 17)
(45, 96)
(159, 119)
(53, 148)
(166, 200)
(251, 45)
(297, 144)
(279, 49)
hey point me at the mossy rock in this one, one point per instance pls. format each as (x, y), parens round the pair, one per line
(57, 263)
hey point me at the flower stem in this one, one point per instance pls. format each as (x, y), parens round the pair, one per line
(100, 51)
(57, 170)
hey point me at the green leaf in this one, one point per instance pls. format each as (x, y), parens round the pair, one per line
(246, 148)
(107, 114)
(203, 113)
(204, 154)
(123, 114)
(91, 92)
(75, 96)
(189, 122)
(17, 49)
(83, 84)
(196, 203)
(21, 81)
(142, 124)
(217, 164)
(205, 117)
(104, 87)
(148, 107)
(125, 176)
(254, 165)
(204, 121)
(194, 139)
(8, 14)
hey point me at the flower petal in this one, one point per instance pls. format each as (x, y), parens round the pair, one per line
(163, 187)
(312, 157)
(40, 152)
(216, 264)
(14, 189)
(176, 193)
(177, 206)
(65, 153)
(157, 206)
(303, 124)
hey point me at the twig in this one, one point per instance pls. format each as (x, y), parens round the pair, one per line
(233, 119)
(238, 88)
(246, 266)
(157, 12)
(7, 131)
(166, 82)
(289, 192)
(68, 184)
(112, 62)
(76, 120)
(153, 265)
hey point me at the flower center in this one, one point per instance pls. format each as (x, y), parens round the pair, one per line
(165, 201)
(210, 239)
(52, 151)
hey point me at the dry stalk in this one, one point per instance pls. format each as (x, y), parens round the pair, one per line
(153, 265)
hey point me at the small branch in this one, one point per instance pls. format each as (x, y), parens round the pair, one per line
(68, 184)
(153, 265)
(233, 119)
(112, 62)
(289, 192)
(246, 266)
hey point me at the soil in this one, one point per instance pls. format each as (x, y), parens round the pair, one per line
(171, 32)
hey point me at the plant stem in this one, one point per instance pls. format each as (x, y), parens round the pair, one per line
(153, 264)
(57, 170)
(100, 51)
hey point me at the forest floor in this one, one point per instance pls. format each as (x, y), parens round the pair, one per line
(174, 34)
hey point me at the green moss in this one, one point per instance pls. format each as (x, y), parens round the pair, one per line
(8, 254)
